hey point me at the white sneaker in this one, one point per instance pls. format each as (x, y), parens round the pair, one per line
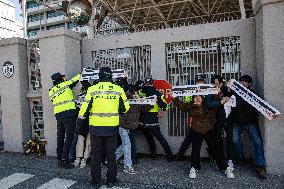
(77, 162)
(229, 173)
(129, 170)
(83, 163)
(230, 164)
(192, 173)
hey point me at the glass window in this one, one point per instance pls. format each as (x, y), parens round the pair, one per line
(35, 17)
(32, 33)
(62, 25)
(71, 25)
(32, 4)
(52, 14)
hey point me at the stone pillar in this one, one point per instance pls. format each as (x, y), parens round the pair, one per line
(60, 52)
(269, 16)
(14, 104)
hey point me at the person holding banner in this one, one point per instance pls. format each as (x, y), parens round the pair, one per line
(203, 120)
(127, 122)
(150, 123)
(222, 125)
(245, 118)
(199, 79)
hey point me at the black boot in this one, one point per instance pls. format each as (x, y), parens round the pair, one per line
(67, 165)
(261, 171)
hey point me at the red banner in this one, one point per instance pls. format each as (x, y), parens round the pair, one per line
(165, 88)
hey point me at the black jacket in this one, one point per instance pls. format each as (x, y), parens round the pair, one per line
(243, 113)
(151, 118)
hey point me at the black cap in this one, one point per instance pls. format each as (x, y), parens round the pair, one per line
(57, 76)
(105, 73)
(139, 83)
(200, 77)
(246, 78)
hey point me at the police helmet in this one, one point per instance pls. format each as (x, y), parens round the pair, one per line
(57, 76)
(139, 84)
(105, 73)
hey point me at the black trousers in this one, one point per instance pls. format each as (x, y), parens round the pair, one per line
(151, 131)
(132, 135)
(229, 146)
(185, 144)
(211, 140)
(65, 135)
(103, 145)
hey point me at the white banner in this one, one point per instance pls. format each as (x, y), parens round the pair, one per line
(190, 90)
(262, 106)
(92, 74)
(151, 100)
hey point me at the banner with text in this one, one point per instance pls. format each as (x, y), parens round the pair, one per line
(262, 106)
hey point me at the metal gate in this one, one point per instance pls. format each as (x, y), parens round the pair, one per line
(136, 60)
(35, 93)
(207, 56)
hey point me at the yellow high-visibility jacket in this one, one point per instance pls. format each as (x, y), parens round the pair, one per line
(103, 102)
(62, 97)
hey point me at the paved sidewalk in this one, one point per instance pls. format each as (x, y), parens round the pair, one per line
(152, 174)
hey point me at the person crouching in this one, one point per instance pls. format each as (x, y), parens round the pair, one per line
(203, 120)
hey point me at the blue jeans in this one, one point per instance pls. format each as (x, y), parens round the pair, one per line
(124, 148)
(256, 139)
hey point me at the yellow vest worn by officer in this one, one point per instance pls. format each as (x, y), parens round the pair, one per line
(150, 118)
(61, 96)
(102, 101)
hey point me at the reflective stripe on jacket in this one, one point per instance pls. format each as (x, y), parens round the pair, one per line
(62, 97)
(102, 101)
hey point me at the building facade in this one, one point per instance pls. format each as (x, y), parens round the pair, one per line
(47, 15)
(9, 27)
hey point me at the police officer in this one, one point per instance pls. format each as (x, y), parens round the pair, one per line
(150, 123)
(103, 102)
(62, 99)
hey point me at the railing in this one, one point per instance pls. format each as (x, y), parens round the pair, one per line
(185, 59)
(136, 60)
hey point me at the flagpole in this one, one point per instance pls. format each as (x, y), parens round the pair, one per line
(24, 11)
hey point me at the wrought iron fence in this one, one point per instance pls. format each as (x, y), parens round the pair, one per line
(33, 53)
(207, 56)
(136, 60)
(37, 116)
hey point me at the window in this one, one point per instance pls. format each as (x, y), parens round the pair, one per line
(62, 25)
(32, 4)
(52, 14)
(71, 25)
(32, 33)
(34, 18)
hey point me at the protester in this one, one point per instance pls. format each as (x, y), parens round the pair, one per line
(203, 120)
(223, 128)
(129, 121)
(245, 118)
(199, 79)
(83, 146)
(137, 89)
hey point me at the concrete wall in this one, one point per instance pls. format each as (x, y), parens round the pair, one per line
(14, 104)
(270, 68)
(60, 52)
(157, 39)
